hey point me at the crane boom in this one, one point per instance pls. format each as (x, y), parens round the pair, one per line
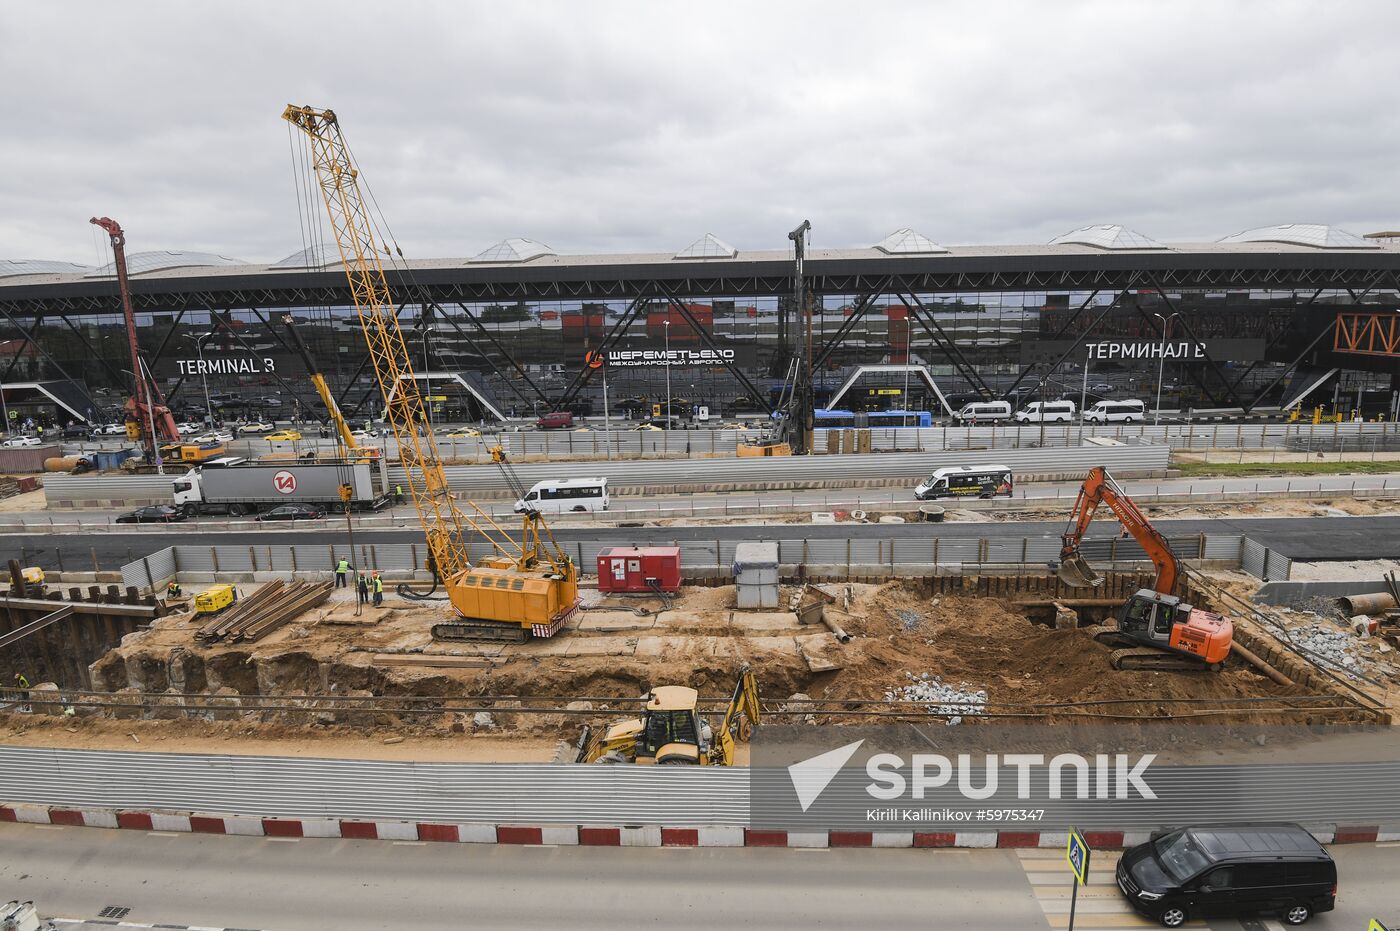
(337, 179)
(1100, 488)
(318, 381)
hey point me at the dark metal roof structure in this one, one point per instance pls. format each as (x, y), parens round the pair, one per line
(1064, 267)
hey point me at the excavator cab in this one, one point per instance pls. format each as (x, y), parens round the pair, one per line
(1191, 638)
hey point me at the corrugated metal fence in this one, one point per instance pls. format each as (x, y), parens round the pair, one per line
(306, 788)
(1261, 562)
(904, 555)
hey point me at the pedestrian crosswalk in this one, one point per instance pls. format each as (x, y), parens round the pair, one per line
(1100, 907)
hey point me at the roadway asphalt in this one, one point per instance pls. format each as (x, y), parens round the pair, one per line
(1300, 538)
(290, 884)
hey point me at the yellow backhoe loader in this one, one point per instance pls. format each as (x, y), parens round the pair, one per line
(672, 732)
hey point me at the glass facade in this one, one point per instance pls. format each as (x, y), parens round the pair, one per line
(1003, 338)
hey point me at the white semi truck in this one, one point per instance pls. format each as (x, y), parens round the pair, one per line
(240, 486)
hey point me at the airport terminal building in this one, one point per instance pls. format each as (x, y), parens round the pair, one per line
(1294, 314)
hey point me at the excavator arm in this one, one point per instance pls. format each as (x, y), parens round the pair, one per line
(743, 713)
(1100, 488)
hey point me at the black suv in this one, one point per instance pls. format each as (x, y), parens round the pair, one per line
(1205, 871)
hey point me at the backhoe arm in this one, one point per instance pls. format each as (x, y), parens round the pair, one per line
(1100, 488)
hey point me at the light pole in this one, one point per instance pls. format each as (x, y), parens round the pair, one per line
(1162, 364)
(667, 330)
(1083, 395)
(607, 414)
(204, 376)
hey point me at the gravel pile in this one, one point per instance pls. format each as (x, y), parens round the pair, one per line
(940, 698)
(1329, 643)
(910, 619)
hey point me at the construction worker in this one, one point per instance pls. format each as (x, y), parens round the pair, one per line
(362, 584)
(341, 568)
(378, 590)
(172, 589)
(398, 494)
(22, 684)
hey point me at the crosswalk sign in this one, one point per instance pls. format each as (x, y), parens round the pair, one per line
(1077, 853)
(1376, 926)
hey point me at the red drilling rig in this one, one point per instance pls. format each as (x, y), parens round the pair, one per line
(146, 408)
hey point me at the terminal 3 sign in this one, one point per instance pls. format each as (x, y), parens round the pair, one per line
(1145, 350)
(227, 365)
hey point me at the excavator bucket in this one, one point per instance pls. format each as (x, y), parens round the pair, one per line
(1076, 572)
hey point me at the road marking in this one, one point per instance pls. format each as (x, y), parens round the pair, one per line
(541, 846)
(163, 833)
(811, 849)
(283, 840)
(1390, 843)
(1101, 907)
(410, 843)
(49, 827)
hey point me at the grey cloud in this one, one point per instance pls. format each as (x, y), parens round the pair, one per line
(636, 126)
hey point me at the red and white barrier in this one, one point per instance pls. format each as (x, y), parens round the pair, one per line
(594, 835)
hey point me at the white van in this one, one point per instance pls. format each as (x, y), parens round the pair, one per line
(1046, 412)
(564, 496)
(966, 481)
(984, 412)
(1127, 411)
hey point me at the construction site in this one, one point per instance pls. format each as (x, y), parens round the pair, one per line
(497, 643)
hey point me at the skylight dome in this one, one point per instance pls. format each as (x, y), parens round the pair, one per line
(1317, 235)
(512, 250)
(708, 246)
(907, 242)
(316, 256)
(1106, 236)
(138, 263)
(13, 268)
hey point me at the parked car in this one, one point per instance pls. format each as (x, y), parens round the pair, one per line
(1226, 870)
(23, 441)
(256, 426)
(111, 429)
(293, 512)
(75, 431)
(1101, 387)
(155, 514)
(555, 420)
(283, 436)
(216, 436)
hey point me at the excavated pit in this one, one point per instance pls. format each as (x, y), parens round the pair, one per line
(970, 633)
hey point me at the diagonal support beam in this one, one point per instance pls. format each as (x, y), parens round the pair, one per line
(586, 372)
(81, 386)
(863, 305)
(491, 337)
(33, 627)
(749, 387)
(952, 350)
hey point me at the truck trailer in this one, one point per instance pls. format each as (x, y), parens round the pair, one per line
(239, 487)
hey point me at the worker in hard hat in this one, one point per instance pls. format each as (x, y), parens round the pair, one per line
(378, 590)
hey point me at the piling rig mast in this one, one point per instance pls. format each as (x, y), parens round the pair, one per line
(146, 407)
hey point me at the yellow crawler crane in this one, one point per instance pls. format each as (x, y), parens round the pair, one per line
(509, 596)
(672, 732)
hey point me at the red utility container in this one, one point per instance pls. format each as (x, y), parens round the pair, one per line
(639, 569)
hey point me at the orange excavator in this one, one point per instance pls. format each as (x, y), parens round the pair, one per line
(1155, 631)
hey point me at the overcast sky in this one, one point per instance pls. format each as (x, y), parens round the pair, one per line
(605, 127)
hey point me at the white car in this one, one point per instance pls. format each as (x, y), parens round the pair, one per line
(22, 441)
(363, 437)
(256, 427)
(188, 428)
(216, 437)
(111, 429)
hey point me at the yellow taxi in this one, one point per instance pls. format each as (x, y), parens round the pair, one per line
(463, 433)
(283, 436)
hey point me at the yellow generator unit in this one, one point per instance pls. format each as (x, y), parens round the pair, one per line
(213, 600)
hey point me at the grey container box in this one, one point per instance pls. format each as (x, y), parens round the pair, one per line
(756, 563)
(756, 596)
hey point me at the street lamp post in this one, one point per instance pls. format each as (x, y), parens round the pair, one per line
(1162, 364)
(1083, 395)
(204, 377)
(667, 330)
